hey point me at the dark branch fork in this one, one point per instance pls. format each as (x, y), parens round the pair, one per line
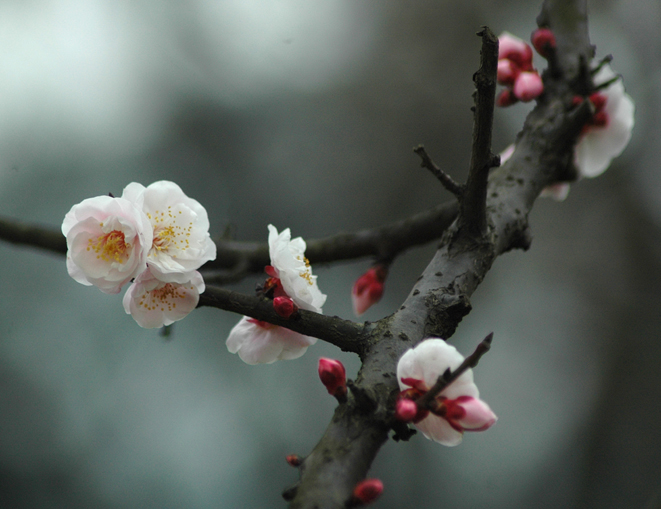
(489, 218)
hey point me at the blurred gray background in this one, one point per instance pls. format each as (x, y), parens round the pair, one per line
(303, 114)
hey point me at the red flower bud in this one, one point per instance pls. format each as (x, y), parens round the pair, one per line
(294, 460)
(284, 306)
(543, 41)
(367, 491)
(406, 410)
(368, 289)
(333, 376)
(507, 72)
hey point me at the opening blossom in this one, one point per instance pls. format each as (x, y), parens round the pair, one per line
(605, 138)
(368, 289)
(458, 407)
(155, 235)
(108, 240)
(259, 342)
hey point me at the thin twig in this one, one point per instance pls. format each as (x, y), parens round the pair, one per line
(449, 376)
(448, 183)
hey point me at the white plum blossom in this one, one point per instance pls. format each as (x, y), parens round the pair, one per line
(459, 407)
(108, 240)
(154, 303)
(259, 342)
(293, 270)
(601, 143)
(603, 139)
(181, 242)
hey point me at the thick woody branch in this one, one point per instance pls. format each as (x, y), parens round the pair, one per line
(473, 205)
(344, 334)
(441, 296)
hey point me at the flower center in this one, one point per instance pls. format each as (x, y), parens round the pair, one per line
(307, 274)
(110, 247)
(162, 297)
(167, 233)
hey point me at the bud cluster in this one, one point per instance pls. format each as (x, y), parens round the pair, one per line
(515, 69)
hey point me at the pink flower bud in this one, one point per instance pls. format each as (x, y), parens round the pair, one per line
(543, 41)
(284, 306)
(333, 376)
(368, 289)
(294, 460)
(506, 98)
(469, 414)
(528, 86)
(367, 491)
(516, 50)
(406, 410)
(507, 72)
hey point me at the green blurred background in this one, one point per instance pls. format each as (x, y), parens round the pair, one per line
(303, 114)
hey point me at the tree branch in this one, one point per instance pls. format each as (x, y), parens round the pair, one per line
(441, 296)
(18, 232)
(344, 334)
(473, 205)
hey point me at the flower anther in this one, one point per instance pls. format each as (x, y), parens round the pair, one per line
(457, 408)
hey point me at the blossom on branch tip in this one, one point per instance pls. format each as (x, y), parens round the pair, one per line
(368, 289)
(259, 342)
(609, 132)
(108, 240)
(516, 72)
(333, 375)
(181, 243)
(457, 408)
(289, 265)
(153, 303)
